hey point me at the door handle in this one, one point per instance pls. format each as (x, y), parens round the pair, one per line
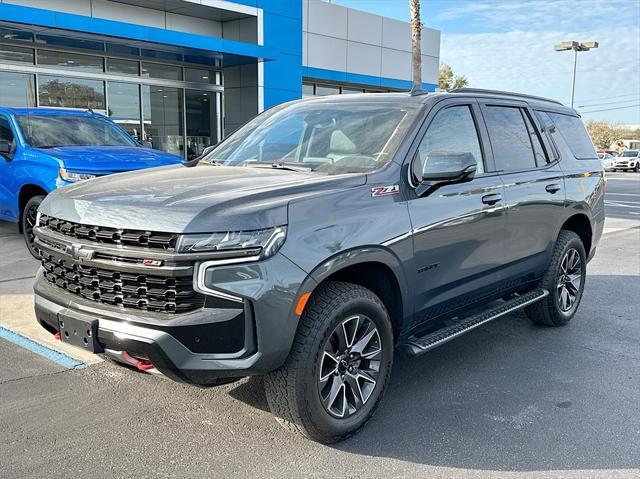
(491, 199)
(553, 188)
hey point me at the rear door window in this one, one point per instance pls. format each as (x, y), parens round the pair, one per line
(510, 140)
(575, 135)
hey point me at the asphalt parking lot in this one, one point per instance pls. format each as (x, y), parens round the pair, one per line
(507, 400)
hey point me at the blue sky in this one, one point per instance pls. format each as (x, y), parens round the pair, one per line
(508, 45)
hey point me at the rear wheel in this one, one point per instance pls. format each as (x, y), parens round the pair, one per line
(564, 279)
(28, 219)
(338, 367)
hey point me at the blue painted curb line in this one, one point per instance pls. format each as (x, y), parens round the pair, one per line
(44, 351)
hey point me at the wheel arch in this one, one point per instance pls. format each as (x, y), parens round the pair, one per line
(580, 224)
(375, 268)
(28, 191)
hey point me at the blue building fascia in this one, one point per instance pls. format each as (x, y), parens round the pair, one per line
(281, 52)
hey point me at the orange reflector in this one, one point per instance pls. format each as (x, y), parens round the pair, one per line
(302, 302)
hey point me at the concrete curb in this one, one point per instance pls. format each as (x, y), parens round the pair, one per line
(17, 316)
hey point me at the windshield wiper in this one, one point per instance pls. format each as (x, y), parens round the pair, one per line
(279, 166)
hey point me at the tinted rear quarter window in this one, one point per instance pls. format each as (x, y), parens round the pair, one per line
(510, 138)
(575, 135)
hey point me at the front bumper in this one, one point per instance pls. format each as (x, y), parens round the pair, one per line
(221, 341)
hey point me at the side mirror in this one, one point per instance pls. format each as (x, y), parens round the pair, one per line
(146, 144)
(5, 148)
(443, 167)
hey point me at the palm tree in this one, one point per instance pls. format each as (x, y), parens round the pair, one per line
(416, 34)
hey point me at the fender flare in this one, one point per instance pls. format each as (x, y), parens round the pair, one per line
(355, 256)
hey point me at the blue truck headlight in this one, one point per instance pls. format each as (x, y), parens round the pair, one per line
(266, 241)
(74, 177)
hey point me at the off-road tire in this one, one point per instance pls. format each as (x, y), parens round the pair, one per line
(548, 311)
(27, 219)
(292, 391)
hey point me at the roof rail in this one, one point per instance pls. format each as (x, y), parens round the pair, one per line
(505, 93)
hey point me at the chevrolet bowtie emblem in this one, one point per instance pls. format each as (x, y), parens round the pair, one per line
(79, 252)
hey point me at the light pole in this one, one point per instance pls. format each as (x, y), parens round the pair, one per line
(576, 47)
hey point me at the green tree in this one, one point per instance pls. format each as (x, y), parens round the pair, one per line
(603, 134)
(448, 80)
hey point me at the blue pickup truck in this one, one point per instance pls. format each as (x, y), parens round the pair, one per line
(45, 148)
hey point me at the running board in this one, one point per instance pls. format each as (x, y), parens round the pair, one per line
(415, 345)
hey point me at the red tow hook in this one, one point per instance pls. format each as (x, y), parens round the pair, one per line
(57, 336)
(143, 364)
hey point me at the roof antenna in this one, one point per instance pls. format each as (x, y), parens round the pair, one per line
(90, 110)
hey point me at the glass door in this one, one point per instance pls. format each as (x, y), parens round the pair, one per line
(202, 120)
(163, 118)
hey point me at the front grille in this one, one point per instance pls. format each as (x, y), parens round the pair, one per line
(115, 236)
(128, 290)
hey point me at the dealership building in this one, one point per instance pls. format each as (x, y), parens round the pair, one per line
(185, 73)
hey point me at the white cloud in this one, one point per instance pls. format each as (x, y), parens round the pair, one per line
(524, 61)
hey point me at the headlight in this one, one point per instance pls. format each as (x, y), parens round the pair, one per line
(266, 242)
(74, 177)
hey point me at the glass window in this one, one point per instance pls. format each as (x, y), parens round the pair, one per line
(453, 130)
(163, 118)
(157, 70)
(10, 54)
(200, 75)
(85, 63)
(574, 134)
(17, 89)
(201, 121)
(512, 149)
(14, 34)
(538, 149)
(124, 107)
(48, 131)
(71, 92)
(122, 67)
(6, 135)
(323, 90)
(348, 90)
(307, 90)
(345, 137)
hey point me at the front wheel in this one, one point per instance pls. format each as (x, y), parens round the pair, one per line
(29, 215)
(564, 279)
(636, 168)
(338, 367)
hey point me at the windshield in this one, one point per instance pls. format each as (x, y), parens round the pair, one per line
(332, 137)
(629, 153)
(48, 131)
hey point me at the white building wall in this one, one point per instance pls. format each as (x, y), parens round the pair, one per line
(343, 39)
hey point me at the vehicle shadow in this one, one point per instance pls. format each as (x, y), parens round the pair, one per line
(514, 396)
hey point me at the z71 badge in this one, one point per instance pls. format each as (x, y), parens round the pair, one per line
(385, 190)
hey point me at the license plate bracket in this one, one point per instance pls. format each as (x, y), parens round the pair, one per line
(79, 332)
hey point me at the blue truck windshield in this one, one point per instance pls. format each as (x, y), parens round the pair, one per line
(49, 131)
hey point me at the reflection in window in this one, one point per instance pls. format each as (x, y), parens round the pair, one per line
(124, 107)
(512, 149)
(451, 131)
(201, 116)
(17, 89)
(122, 67)
(85, 63)
(157, 70)
(322, 90)
(71, 92)
(307, 90)
(10, 54)
(163, 117)
(200, 75)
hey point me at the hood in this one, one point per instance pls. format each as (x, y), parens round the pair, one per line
(201, 199)
(109, 159)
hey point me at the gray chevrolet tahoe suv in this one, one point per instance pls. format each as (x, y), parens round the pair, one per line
(322, 236)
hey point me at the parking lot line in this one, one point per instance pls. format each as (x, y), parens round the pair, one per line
(44, 351)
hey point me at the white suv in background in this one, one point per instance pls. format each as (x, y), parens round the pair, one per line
(608, 161)
(628, 160)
